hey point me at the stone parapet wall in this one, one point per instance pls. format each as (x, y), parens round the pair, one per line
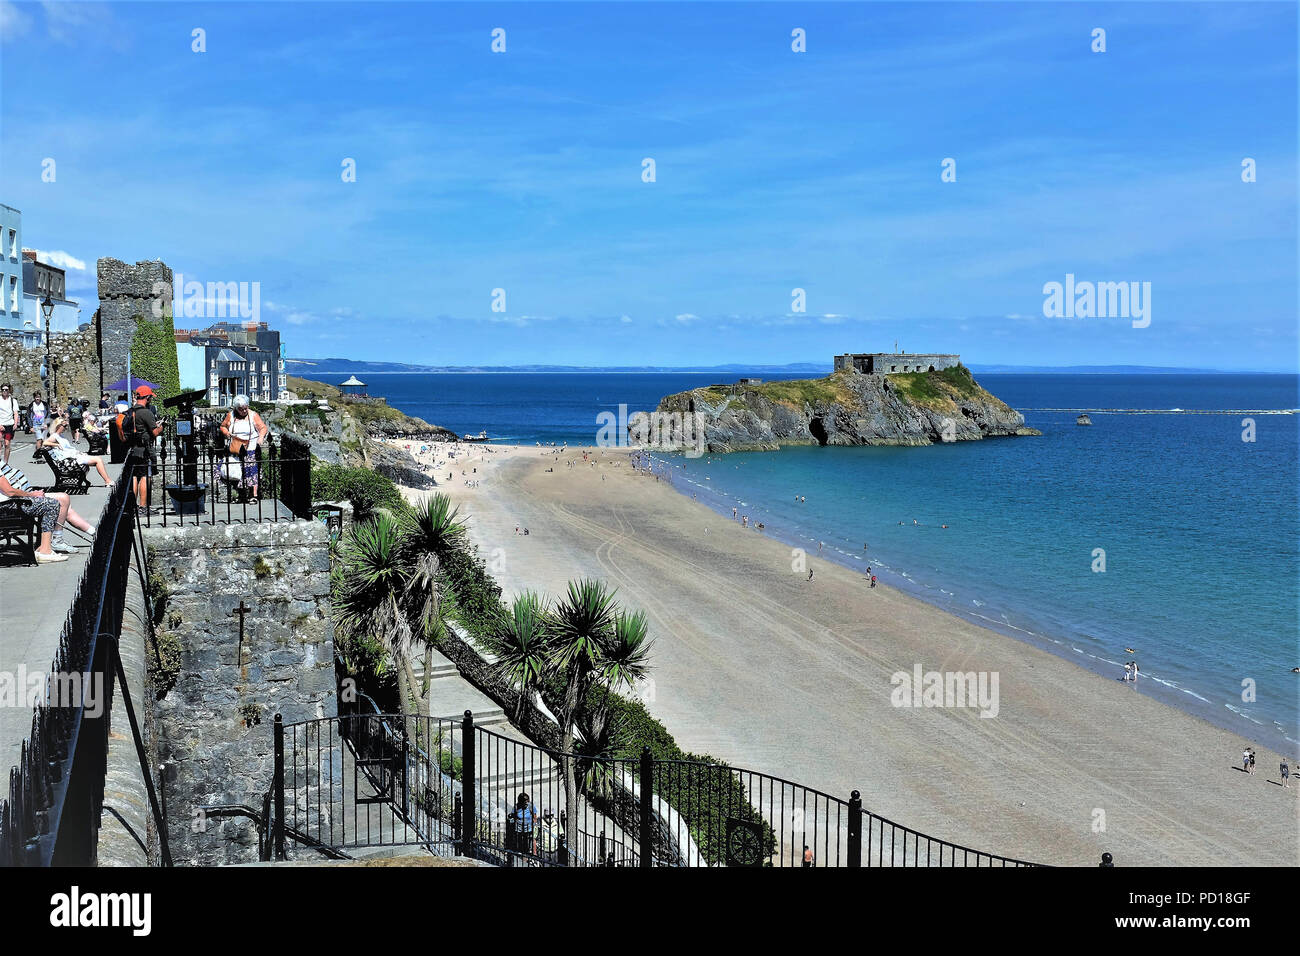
(215, 724)
(75, 355)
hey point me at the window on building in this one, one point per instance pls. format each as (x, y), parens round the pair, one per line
(13, 243)
(13, 293)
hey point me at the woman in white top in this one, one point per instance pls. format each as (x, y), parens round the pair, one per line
(37, 413)
(60, 448)
(244, 432)
(8, 420)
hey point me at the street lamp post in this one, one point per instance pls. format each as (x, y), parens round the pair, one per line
(47, 309)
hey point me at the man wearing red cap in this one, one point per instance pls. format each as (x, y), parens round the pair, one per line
(139, 428)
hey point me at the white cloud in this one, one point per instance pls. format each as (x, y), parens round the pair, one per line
(76, 22)
(60, 259)
(625, 319)
(686, 317)
(13, 22)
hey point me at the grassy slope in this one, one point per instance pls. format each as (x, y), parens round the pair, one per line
(794, 393)
(364, 412)
(935, 390)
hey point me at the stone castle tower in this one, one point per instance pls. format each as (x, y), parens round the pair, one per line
(126, 291)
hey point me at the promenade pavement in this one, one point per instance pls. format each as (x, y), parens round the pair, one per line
(34, 603)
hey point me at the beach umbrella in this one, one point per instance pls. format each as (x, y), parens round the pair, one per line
(129, 385)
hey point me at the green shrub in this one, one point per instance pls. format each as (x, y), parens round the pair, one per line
(364, 489)
(450, 764)
(476, 596)
(153, 356)
(165, 663)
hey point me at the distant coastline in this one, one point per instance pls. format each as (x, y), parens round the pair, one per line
(338, 366)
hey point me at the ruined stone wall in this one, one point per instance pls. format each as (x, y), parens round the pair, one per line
(75, 355)
(215, 734)
(126, 291)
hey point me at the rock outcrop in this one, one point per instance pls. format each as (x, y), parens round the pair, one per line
(848, 408)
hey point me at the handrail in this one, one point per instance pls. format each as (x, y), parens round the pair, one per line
(54, 763)
(748, 798)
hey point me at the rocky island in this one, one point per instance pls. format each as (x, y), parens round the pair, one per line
(848, 407)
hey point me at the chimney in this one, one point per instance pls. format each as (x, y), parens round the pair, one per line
(29, 254)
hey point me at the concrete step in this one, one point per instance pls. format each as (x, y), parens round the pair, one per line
(486, 717)
(436, 671)
(521, 778)
(383, 852)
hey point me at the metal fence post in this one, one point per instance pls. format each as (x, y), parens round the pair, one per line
(469, 802)
(278, 785)
(855, 829)
(647, 774)
(406, 758)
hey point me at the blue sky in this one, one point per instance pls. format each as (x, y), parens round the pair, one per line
(775, 170)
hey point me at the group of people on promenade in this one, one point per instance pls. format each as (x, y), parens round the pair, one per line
(43, 420)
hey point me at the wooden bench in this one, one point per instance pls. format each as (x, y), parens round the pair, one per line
(69, 476)
(17, 526)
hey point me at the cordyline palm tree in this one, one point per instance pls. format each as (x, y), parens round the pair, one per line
(591, 642)
(370, 598)
(430, 531)
(520, 644)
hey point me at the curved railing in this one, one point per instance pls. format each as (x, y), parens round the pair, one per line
(451, 786)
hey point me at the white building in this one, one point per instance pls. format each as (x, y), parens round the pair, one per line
(42, 280)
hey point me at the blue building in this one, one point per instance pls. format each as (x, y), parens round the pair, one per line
(11, 268)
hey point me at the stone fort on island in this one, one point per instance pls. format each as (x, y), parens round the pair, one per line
(887, 363)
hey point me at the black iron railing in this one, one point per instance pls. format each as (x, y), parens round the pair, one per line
(371, 779)
(51, 816)
(200, 482)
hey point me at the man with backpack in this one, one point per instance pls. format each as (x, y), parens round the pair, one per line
(139, 427)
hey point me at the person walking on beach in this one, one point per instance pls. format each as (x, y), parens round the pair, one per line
(810, 576)
(1245, 760)
(873, 580)
(1128, 671)
(1286, 774)
(1252, 761)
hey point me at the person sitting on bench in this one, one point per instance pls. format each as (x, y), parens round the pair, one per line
(60, 449)
(48, 511)
(96, 435)
(66, 518)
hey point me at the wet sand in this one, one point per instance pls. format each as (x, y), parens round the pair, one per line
(757, 665)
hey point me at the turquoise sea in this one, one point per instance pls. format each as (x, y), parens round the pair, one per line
(1198, 526)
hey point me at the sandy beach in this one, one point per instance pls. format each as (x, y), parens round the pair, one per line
(757, 665)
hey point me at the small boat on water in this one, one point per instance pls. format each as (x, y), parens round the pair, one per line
(481, 436)
(1083, 420)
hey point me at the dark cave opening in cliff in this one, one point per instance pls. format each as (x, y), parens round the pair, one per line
(818, 430)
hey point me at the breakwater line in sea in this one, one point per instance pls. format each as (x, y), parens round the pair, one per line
(1171, 411)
